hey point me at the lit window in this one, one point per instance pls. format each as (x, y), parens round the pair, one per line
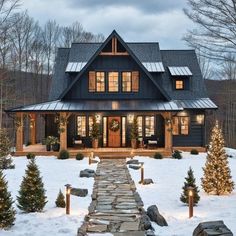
(100, 81)
(126, 81)
(140, 126)
(90, 125)
(149, 126)
(180, 125)
(104, 131)
(123, 131)
(113, 82)
(81, 126)
(179, 84)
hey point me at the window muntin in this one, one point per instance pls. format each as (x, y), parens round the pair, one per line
(180, 125)
(179, 84)
(100, 81)
(81, 126)
(140, 126)
(113, 81)
(149, 126)
(126, 81)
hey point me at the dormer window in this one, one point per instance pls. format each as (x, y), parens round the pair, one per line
(179, 84)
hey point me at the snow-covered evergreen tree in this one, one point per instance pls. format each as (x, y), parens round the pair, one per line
(217, 178)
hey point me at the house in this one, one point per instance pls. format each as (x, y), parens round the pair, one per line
(114, 82)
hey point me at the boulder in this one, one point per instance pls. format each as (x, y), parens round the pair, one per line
(145, 223)
(132, 161)
(87, 173)
(147, 181)
(212, 228)
(138, 199)
(155, 216)
(79, 192)
(135, 167)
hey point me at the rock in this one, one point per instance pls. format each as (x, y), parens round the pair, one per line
(147, 181)
(87, 173)
(149, 233)
(132, 161)
(145, 222)
(155, 216)
(82, 230)
(135, 167)
(138, 199)
(212, 228)
(129, 226)
(97, 228)
(79, 192)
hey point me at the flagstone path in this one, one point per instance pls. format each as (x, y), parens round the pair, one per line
(116, 206)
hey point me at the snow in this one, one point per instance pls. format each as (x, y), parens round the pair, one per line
(231, 152)
(53, 221)
(168, 176)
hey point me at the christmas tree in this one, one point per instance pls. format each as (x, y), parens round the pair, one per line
(32, 193)
(5, 146)
(190, 182)
(217, 178)
(7, 212)
(60, 201)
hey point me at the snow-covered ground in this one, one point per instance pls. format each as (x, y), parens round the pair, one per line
(53, 221)
(168, 176)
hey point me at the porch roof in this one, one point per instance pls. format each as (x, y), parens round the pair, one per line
(116, 105)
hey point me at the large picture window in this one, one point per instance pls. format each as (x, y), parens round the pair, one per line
(81, 126)
(100, 82)
(149, 126)
(180, 125)
(126, 81)
(113, 82)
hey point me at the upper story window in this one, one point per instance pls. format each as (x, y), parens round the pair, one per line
(100, 82)
(179, 84)
(180, 125)
(126, 81)
(113, 82)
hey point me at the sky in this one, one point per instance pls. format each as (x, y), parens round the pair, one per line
(135, 20)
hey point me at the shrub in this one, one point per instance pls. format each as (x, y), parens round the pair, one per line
(158, 155)
(79, 156)
(30, 155)
(194, 152)
(177, 155)
(63, 154)
(60, 201)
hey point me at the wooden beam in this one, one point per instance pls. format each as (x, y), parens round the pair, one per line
(19, 132)
(33, 128)
(168, 131)
(63, 131)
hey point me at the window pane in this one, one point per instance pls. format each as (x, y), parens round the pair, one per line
(175, 126)
(149, 126)
(113, 82)
(90, 124)
(104, 131)
(184, 125)
(123, 131)
(140, 126)
(81, 126)
(126, 81)
(179, 84)
(135, 81)
(100, 81)
(92, 86)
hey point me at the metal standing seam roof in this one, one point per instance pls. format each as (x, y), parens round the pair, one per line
(179, 70)
(154, 66)
(75, 66)
(200, 103)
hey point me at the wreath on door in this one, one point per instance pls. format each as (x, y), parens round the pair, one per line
(114, 125)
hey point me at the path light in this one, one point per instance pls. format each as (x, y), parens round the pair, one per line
(142, 172)
(91, 157)
(132, 154)
(68, 190)
(190, 200)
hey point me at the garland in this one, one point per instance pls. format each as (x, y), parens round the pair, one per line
(114, 125)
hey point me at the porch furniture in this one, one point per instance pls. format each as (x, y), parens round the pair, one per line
(152, 144)
(78, 142)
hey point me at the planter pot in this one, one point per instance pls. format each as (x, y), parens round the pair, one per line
(95, 143)
(48, 147)
(134, 143)
(56, 147)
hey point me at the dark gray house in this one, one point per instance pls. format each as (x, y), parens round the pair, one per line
(114, 82)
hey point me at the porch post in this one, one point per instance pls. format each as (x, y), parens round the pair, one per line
(63, 130)
(33, 129)
(19, 131)
(168, 132)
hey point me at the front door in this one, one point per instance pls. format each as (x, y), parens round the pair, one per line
(114, 127)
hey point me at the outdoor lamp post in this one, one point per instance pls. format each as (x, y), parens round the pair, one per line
(190, 200)
(90, 158)
(142, 173)
(68, 189)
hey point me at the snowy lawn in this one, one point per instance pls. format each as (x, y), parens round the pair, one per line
(53, 221)
(168, 176)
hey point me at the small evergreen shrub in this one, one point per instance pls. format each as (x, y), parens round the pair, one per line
(177, 155)
(63, 154)
(79, 156)
(194, 152)
(158, 155)
(30, 155)
(60, 201)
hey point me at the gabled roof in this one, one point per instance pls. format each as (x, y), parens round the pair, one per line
(115, 34)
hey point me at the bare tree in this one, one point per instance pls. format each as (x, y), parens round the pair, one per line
(6, 8)
(215, 33)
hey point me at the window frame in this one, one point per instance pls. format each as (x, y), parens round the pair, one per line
(183, 84)
(108, 82)
(96, 81)
(122, 81)
(154, 125)
(82, 116)
(179, 125)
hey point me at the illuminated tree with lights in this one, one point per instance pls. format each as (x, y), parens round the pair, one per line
(32, 193)
(217, 179)
(7, 212)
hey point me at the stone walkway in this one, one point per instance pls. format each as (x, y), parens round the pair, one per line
(116, 206)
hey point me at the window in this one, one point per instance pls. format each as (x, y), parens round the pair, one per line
(113, 82)
(149, 126)
(100, 82)
(81, 126)
(92, 81)
(90, 125)
(123, 131)
(135, 81)
(140, 126)
(126, 81)
(179, 84)
(180, 125)
(104, 131)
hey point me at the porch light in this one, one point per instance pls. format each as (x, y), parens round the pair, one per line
(190, 200)
(200, 119)
(31, 123)
(68, 190)
(130, 118)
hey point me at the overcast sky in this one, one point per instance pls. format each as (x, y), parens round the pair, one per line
(135, 20)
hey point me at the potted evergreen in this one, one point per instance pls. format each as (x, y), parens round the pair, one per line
(134, 133)
(48, 143)
(55, 144)
(95, 133)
